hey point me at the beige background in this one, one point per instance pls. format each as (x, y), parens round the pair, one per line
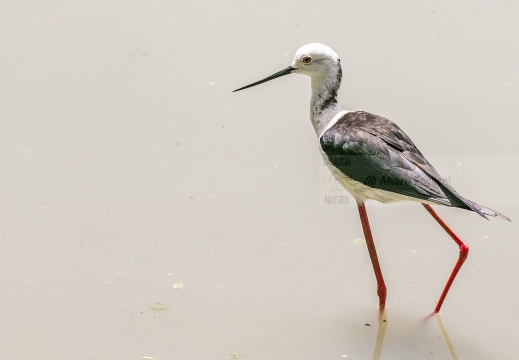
(127, 166)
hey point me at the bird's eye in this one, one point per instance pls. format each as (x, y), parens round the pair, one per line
(306, 60)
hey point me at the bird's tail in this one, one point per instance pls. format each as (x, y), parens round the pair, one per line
(483, 210)
(456, 200)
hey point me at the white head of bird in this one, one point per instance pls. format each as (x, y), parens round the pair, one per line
(323, 66)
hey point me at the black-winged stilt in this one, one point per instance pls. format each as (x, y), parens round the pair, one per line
(371, 157)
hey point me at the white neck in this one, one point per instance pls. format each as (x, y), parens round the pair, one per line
(323, 105)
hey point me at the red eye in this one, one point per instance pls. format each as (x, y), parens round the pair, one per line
(306, 59)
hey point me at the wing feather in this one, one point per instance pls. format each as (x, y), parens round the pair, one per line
(374, 151)
(382, 156)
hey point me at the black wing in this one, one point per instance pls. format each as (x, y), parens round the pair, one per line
(374, 151)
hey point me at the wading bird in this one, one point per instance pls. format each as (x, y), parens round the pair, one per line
(371, 157)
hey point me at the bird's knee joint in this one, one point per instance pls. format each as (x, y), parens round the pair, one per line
(464, 250)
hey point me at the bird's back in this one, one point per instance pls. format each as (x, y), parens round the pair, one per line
(374, 159)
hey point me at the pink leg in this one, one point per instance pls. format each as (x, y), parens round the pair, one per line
(464, 251)
(381, 286)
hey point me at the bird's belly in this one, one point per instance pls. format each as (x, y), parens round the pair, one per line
(362, 192)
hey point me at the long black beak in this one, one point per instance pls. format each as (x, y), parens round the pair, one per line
(288, 70)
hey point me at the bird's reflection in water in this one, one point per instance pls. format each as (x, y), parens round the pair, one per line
(382, 327)
(446, 337)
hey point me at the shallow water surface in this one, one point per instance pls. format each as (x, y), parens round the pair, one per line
(147, 212)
